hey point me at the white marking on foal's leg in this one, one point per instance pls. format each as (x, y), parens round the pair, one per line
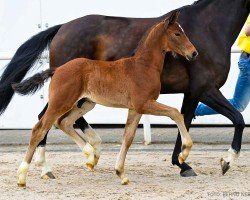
(94, 139)
(40, 161)
(22, 174)
(119, 167)
(88, 151)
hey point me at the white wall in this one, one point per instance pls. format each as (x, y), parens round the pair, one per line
(21, 19)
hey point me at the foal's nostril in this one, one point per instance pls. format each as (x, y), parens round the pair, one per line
(195, 54)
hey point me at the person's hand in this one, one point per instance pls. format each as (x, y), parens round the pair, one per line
(247, 30)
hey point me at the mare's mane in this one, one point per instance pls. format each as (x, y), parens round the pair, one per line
(140, 43)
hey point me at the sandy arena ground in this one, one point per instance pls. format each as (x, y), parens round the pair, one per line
(148, 167)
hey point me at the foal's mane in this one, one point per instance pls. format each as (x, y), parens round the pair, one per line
(150, 33)
(141, 42)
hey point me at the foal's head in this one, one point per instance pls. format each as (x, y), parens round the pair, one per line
(175, 39)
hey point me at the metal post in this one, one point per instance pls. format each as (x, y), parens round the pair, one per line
(147, 130)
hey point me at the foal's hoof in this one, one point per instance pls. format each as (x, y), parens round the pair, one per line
(188, 173)
(22, 185)
(125, 181)
(225, 166)
(47, 176)
(96, 159)
(90, 167)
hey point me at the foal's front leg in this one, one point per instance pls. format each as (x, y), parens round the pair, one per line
(154, 108)
(188, 107)
(128, 136)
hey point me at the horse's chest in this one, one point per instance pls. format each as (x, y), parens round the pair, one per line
(146, 88)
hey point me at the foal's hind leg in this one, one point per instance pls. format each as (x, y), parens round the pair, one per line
(155, 108)
(90, 135)
(128, 136)
(38, 133)
(65, 123)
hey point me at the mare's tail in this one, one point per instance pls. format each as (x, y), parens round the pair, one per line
(23, 60)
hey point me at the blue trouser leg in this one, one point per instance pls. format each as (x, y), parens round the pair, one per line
(241, 95)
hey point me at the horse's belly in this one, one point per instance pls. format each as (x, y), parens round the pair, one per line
(116, 101)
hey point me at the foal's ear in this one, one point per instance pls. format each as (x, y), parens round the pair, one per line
(172, 19)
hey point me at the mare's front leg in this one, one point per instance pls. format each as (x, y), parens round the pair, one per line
(155, 108)
(215, 100)
(40, 158)
(128, 136)
(188, 108)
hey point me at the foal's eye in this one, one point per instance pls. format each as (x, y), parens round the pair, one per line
(177, 34)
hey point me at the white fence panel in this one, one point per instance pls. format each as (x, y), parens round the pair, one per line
(21, 19)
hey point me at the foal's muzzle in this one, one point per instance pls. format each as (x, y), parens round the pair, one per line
(193, 56)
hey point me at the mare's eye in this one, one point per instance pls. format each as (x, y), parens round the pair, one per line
(177, 34)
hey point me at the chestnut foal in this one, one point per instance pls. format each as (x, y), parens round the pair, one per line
(132, 83)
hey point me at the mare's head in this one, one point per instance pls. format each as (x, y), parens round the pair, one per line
(175, 39)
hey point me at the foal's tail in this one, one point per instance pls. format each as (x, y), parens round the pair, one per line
(34, 83)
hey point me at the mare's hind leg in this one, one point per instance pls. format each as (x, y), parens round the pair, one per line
(215, 100)
(128, 136)
(40, 158)
(155, 108)
(38, 133)
(65, 123)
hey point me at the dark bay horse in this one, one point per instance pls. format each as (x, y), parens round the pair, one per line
(207, 23)
(133, 83)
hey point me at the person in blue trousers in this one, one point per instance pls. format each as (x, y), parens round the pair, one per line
(241, 95)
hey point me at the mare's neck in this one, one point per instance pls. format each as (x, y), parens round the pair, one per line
(150, 50)
(222, 19)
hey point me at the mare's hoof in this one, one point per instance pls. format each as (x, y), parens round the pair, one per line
(90, 167)
(225, 166)
(125, 181)
(188, 173)
(22, 185)
(48, 175)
